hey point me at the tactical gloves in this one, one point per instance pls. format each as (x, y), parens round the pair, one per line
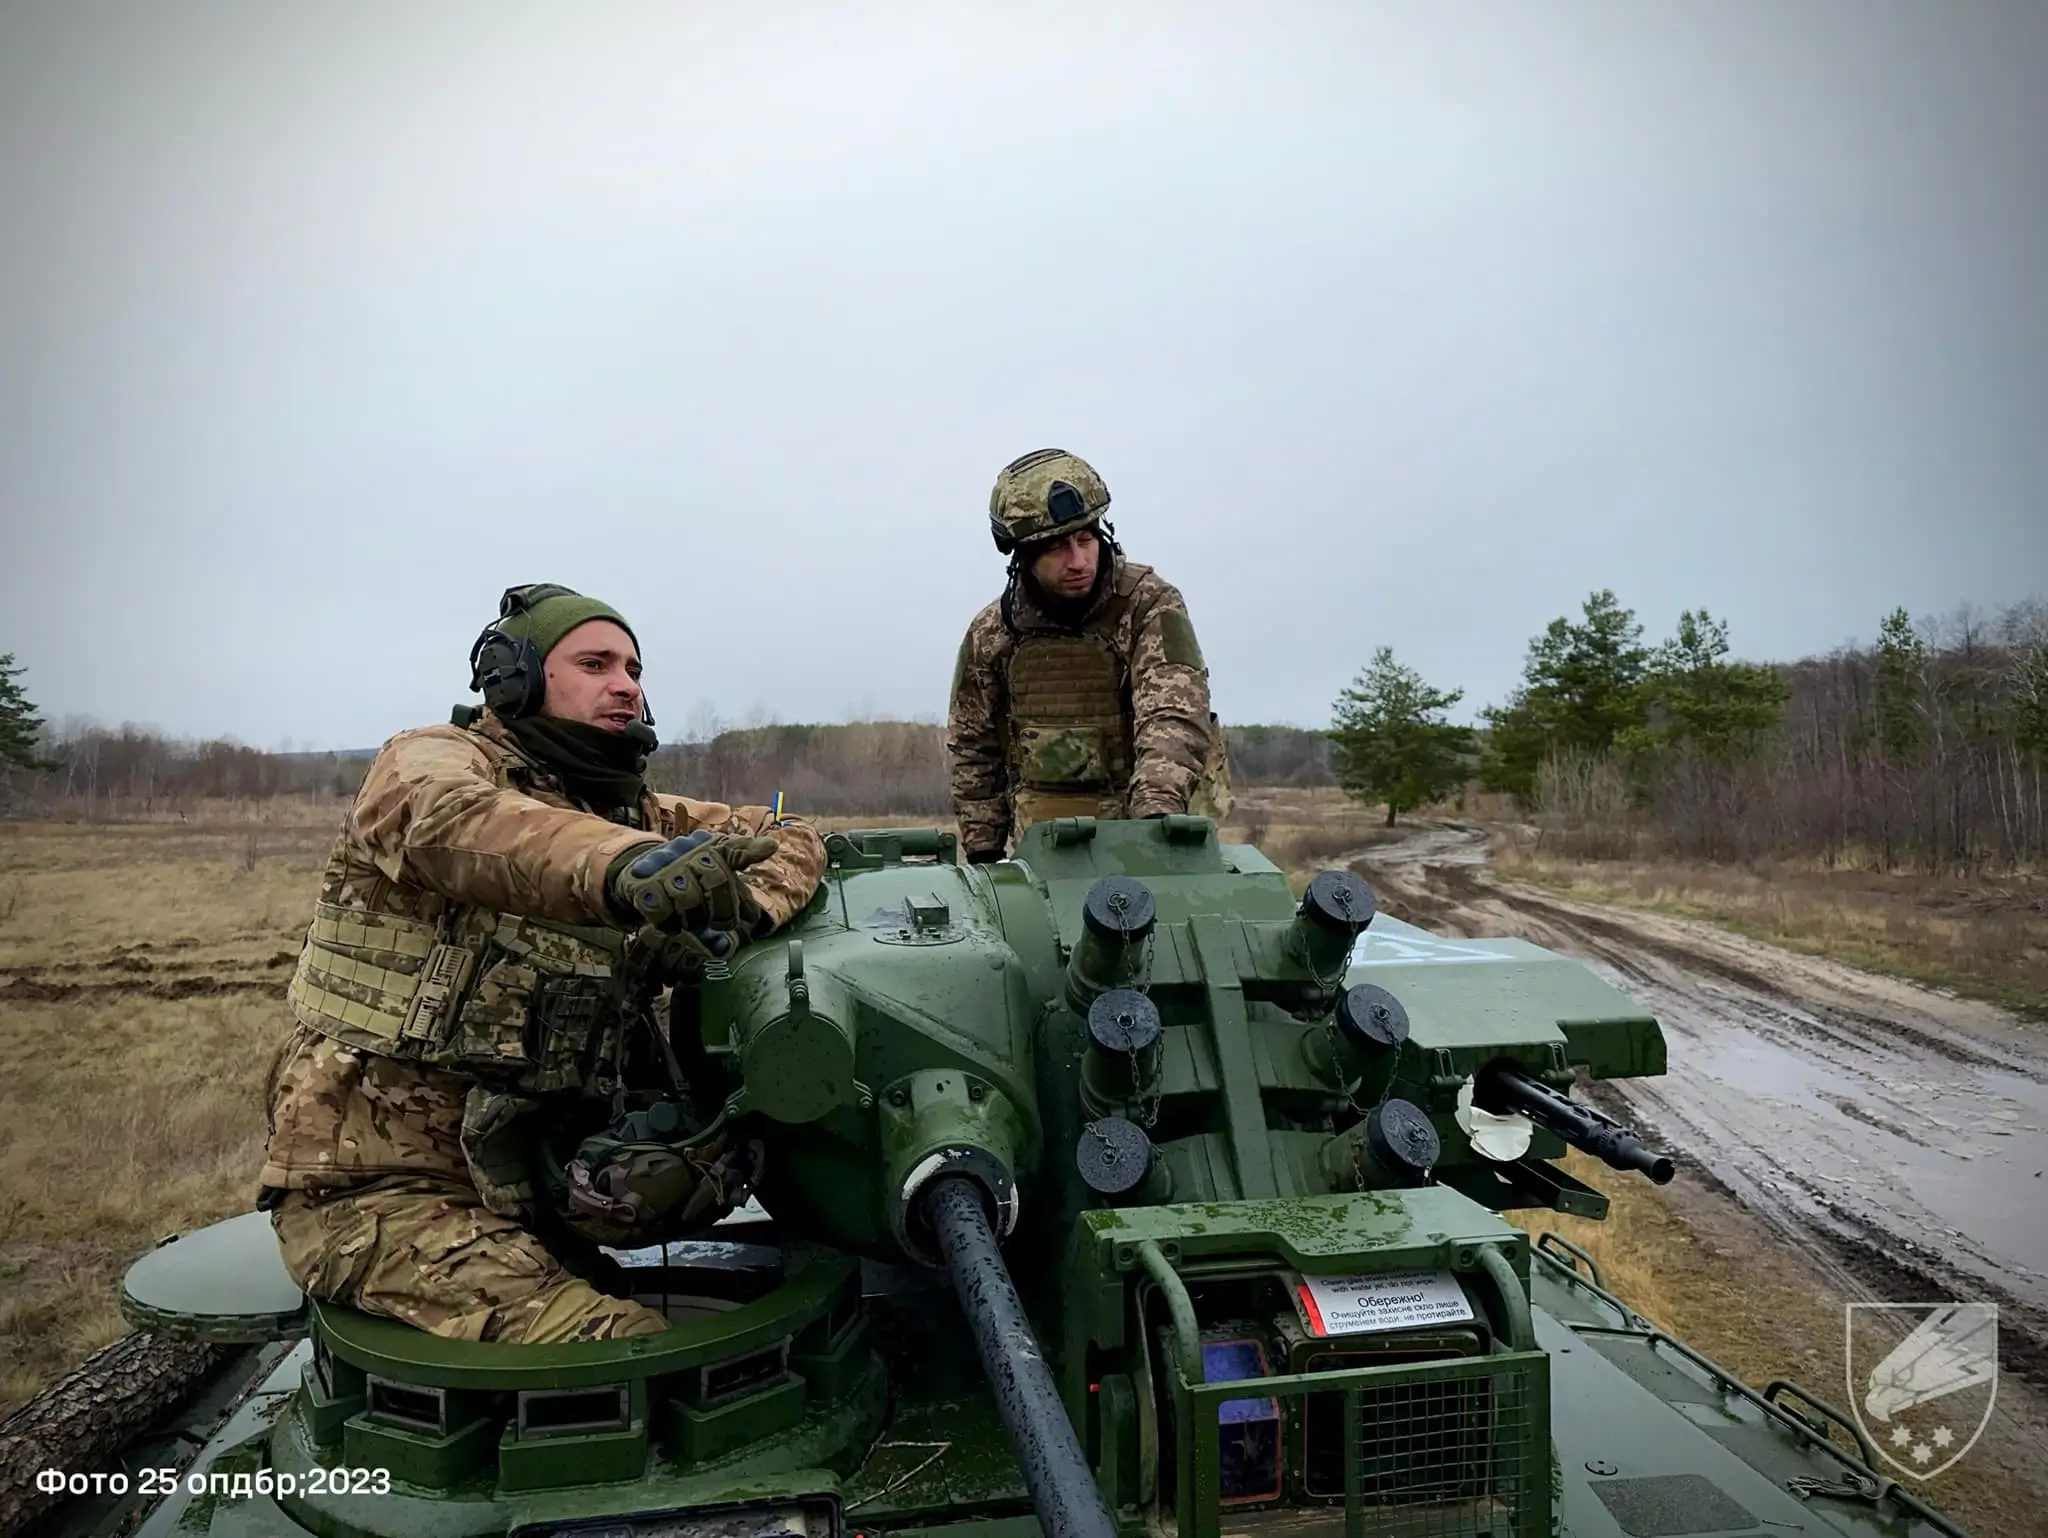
(683, 954)
(628, 1187)
(690, 884)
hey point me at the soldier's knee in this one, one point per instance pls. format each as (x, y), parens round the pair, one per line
(574, 1310)
(328, 1247)
(432, 1256)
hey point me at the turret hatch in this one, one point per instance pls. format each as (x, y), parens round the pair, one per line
(225, 1283)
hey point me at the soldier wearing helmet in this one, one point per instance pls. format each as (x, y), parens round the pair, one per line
(1081, 690)
(463, 1117)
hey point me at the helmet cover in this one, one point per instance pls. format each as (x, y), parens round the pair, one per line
(1046, 494)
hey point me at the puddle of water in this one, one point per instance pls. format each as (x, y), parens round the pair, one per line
(1942, 1182)
(1797, 1108)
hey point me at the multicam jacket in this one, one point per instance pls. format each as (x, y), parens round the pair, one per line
(1107, 718)
(464, 883)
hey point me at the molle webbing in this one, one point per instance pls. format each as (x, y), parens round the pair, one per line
(522, 936)
(1069, 726)
(364, 972)
(392, 984)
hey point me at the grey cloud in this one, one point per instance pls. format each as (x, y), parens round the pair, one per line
(1407, 324)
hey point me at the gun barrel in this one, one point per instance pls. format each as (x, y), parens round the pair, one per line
(1063, 1490)
(1503, 1090)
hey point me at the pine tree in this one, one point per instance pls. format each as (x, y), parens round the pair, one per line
(1901, 668)
(1580, 691)
(1390, 742)
(1697, 699)
(2030, 700)
(20, 726)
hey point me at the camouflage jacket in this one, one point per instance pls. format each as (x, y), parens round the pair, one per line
(450, 816)
(1171, 733)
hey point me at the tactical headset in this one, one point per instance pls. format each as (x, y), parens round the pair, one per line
(509, 670)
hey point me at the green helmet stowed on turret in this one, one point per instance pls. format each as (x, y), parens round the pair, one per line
(1046, 494)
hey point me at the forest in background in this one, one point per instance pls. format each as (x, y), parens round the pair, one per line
(1923, 748)
(91, 771)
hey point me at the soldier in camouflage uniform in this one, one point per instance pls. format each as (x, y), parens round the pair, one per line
(456, 995)
(1080, 691)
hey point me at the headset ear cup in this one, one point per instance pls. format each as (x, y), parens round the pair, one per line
(508, 672)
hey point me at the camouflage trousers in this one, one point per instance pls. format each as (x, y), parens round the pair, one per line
(425, 1250)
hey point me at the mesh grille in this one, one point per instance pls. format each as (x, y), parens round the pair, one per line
(1426, 1443)
(1451, 1449)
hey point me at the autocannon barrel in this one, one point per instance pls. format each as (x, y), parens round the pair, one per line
(1505, 1091)
(1063, 1490)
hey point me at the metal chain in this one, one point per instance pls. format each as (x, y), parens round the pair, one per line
(1358, 1142)
(1387, 1088)
(1327, 985)
(1133, 966)
(1147, 1105)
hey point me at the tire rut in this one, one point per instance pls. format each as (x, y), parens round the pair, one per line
(1894, 1136)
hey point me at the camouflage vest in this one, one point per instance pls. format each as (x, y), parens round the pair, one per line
(521, 1003)
(1069, 742)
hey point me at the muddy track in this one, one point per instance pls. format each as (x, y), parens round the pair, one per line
(1896, 1136)
(37, 990)
(128, 972)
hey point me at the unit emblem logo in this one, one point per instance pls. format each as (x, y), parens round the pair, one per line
(1922, 1379)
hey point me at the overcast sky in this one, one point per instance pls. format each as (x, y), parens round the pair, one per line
(320, 324)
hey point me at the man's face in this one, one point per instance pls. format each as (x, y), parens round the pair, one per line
(1066, 567)
(593, 676)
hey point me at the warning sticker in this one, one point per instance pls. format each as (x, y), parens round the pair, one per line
(1388, 1300)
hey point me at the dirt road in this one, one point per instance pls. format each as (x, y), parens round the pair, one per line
(1897, 1136)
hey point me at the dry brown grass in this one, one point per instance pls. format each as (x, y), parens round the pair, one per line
(1985, 936)
(1703, 1271)
(303, 809)
(142, 971)
(1654, 1253)
(1303, 831)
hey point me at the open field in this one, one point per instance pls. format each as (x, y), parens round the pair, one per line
(1985, 936)
(142, 968)
(142, 972)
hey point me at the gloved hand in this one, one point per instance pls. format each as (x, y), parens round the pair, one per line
(627, 1188)
(689, 883)
(683, 954)
(983, 856)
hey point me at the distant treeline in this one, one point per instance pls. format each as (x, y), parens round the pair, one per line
(900, 766)
(130, 770)
(1926, 749)
(829, 770)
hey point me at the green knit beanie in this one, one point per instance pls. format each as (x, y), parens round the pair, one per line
(542, 612)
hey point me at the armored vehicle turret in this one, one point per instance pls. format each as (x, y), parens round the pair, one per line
(1112, 1188)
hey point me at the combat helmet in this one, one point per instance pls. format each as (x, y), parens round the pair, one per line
(1046, 494)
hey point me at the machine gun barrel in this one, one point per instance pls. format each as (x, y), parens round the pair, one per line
(1505, 1091)
(1063, 1490)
